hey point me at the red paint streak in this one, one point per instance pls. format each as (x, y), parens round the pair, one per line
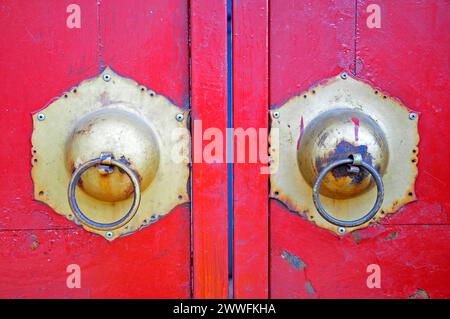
(356, 122)
(301, 132)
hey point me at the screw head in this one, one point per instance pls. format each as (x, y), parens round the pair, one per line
(106, 77)
(109, 235)
(276, 115)
(341, 230)
(179, 117)
(40, 117)
(344, 75)
(412, 116)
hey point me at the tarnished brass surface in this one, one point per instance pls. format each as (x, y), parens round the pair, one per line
(111, 114)
(339, 117)
(336, 134)
(124, 134)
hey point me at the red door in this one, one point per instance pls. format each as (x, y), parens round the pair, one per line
(49, 47)
(283, 49)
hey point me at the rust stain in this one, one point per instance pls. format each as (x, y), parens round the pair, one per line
(343, 150)
(34, 245)
(85, 131)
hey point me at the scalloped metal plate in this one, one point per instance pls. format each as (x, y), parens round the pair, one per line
(52, 127)
(289, 186)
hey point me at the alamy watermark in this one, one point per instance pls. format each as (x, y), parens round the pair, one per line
(234, 145)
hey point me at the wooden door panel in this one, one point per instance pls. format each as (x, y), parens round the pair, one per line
(407, 57)
(144, 40)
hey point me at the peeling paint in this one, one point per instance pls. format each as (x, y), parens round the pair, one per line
(392, 236)
(420, 294)
(309, 288)
(293, 260)
(356, 237)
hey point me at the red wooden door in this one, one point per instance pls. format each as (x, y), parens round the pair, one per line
(148, 41)
(281, 49)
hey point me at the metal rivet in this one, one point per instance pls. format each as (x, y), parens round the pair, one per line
(106, 77)
(276, 115)
(41, 117)
(180, 117)
(341, 230)
(109, 235)
(412, 116)
(344, 75)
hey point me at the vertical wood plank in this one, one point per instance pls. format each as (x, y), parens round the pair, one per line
(209, 180)
(250, 110)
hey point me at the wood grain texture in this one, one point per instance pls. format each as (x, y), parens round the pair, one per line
(209, 180)
(250, 110)
(309, 41)
(141, 39)
(408, 59)
(308, 262)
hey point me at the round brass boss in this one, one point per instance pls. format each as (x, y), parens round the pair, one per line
(335, 135)
(124, 135)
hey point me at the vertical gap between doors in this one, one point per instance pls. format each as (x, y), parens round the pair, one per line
(191, 233)
(268, 125)
(230, 146)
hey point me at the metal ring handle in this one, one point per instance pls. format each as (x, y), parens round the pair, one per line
(89, 222)
(355, 160)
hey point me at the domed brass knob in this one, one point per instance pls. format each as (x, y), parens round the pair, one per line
(335, 135)
(127, 138)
